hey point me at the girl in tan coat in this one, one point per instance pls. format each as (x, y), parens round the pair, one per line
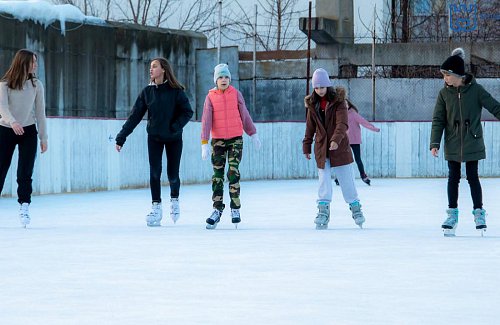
(22, 122)
(326, 125)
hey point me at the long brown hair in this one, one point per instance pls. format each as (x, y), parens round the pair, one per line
(19, 70)
(330, 95)
(168, 75)
(351, 106)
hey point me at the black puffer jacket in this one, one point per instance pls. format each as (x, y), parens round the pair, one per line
(168, 110)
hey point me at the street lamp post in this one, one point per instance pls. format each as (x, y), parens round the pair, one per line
(220, 33)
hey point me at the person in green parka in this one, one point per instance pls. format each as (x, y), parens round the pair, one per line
(458, 114)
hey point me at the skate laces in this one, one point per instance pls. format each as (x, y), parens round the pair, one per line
(355, 207)
(23, 210)
(24, 216)
(235, 213)
(479, 216)
(451, 220)
(452, 217)
(174, 206)
(323, 210)
(323, 215)
(156, 212)
(215, 216)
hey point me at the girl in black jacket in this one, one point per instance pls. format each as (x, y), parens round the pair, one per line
(168, 111)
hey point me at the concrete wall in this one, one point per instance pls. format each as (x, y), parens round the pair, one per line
(206, 60)
(99, 70)
(407, 53)
(82, 155)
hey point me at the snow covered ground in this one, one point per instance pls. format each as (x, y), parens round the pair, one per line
(90, 259)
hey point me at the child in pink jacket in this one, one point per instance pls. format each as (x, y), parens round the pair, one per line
(225, 118)
(354, 134)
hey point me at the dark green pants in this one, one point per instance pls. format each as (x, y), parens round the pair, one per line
(231, 149)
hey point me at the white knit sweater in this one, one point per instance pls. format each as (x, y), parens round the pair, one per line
(26, 107)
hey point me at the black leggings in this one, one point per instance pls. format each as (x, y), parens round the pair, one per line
(173, 151)
(26, 145)
(356, 150)
(476, 192)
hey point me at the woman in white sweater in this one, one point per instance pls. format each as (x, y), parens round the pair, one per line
(22, 118)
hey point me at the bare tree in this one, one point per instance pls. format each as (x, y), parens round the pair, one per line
(136, 12)
(280, 28)
(277, 29)
(97, 8)
(161, 13)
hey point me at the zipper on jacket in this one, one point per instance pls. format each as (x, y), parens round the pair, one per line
(225, 114)
(460, 126)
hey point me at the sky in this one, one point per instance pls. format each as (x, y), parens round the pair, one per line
(88, 258)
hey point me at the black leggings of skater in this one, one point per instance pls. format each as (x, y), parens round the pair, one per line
(356, 150)
(26, 145)
(173, 151)
(471, 168)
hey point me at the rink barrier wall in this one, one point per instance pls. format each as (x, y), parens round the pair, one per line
(82, 155)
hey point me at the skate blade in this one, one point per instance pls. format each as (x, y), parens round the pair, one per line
(321, 227)
(174, 218)
(360, 225)
(154, 224)
(482, 231)
(449, 232)
(210, 227)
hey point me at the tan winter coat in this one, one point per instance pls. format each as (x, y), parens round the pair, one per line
(334, 129)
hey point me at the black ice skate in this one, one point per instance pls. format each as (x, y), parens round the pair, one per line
(235, 217)
(214, 219)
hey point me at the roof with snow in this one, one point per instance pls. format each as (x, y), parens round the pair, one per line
(45, 13)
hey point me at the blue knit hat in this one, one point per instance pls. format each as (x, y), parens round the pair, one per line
(221, 70)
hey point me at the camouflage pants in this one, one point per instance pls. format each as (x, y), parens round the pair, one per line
(232, 149)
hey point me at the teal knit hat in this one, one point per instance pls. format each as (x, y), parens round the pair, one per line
(221, 70)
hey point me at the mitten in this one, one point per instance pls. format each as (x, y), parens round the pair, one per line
(205, 151)
(256, 141)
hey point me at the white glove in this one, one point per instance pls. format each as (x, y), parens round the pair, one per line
(256, 141)
(205, 151)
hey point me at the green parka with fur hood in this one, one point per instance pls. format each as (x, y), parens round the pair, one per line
(334, 129)
(458, 114)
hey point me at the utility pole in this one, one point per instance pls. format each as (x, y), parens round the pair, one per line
(373, 63)
(254, 73)
(220, 33)
(308, 73)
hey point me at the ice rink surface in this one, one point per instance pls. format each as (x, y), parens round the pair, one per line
(90, 259)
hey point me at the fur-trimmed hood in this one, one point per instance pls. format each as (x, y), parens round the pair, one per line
(325, 127)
